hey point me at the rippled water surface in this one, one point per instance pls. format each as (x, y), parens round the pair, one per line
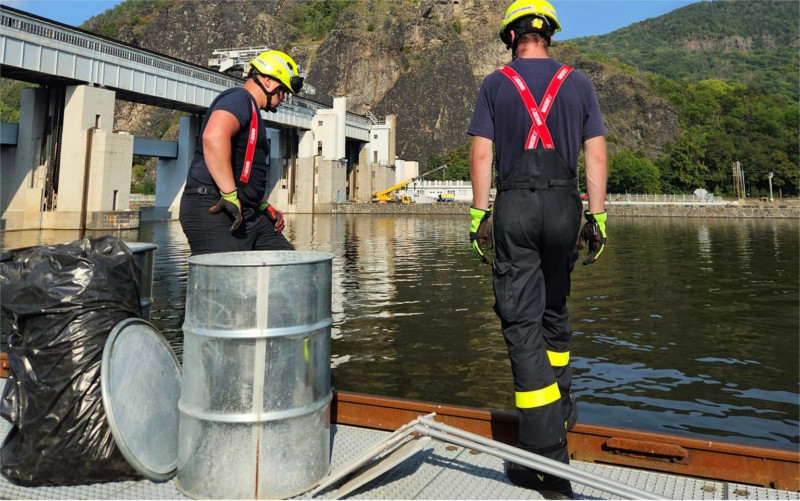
(685, 326)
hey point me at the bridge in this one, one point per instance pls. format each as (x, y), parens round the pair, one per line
(68, 167)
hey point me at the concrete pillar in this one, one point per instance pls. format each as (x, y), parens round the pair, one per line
(328, 127)
(305, 190)
(391, 124)
(278, 187)
(22, 180)
(110, 172)
(85, 107)
(331, 184)
(171, 172)
(340, 111)
(363, 176)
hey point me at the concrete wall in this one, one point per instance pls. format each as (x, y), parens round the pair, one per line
(110, 172)
(331, 184)
(23, 170)
(363, 177)
(306, 185)
(85, 107)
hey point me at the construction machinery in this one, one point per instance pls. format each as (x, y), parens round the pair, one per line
(388, 195)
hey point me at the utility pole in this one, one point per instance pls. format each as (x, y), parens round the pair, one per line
(741, 174)
(738, 181)
(771, 174)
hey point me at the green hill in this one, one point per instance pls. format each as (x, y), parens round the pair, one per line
(755, 43)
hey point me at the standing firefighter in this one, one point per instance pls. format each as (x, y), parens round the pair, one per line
(224, 205)
(538, 113)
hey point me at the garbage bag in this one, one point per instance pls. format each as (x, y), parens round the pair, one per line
(63, 301)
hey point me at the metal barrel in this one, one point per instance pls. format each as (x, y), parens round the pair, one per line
(254, 406)
(143, 256)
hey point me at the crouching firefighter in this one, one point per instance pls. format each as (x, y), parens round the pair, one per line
(224, 204)
(537, 113)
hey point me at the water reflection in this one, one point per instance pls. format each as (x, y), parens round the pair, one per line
(686, 326)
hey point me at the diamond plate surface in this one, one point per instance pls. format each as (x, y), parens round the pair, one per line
(439, 471)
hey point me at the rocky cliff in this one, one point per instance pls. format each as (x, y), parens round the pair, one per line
(422, 60)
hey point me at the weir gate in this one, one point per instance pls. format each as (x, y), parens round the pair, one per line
(65, 166)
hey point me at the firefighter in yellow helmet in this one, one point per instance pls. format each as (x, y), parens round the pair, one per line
(537, 114)
(224, 204)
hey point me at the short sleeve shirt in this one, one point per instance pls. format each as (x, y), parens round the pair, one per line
(501, 116)
(240, 103)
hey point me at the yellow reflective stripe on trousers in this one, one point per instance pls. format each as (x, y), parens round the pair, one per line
(558, 358)
(538, 398)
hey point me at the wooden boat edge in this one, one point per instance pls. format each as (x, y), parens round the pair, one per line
(717, 461)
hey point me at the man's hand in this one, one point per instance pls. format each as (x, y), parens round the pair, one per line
(229, 202)
(274, 215)
(593, 234)
(480, 232)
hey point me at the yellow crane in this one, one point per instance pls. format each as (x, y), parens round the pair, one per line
(388, 194)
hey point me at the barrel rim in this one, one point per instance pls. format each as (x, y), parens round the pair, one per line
(140, 247)
(250, 259)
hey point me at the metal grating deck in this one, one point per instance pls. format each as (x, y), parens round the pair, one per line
(440, 471)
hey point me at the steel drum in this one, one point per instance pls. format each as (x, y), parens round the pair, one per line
(254, 405)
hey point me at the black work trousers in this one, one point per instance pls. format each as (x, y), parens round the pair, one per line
(537, 217)
(207, 232)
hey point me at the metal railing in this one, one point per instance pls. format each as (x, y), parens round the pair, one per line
(661, 198)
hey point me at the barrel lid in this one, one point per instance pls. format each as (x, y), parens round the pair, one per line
(140, 379)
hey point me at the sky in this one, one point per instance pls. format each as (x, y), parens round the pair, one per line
(578, 18)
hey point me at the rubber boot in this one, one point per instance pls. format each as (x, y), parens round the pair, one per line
(549, 486)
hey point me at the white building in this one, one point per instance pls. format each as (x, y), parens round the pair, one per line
(423, 191)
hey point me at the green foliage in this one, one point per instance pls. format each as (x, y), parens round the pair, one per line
(130, 12)
(10, 98)
(457, 26)
(139, 181)
(315, 19)
(748, 42)
(457, 161)
(632, 173)
(724, 123)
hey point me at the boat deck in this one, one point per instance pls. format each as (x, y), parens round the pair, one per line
(438, 471)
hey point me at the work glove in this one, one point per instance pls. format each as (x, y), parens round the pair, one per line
(274, 215)
(593, 234)
(480, 232)
(229, 202)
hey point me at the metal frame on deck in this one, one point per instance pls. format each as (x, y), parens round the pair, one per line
(773, 468)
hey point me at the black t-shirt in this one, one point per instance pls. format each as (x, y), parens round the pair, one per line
(501, 116)
(240, 104)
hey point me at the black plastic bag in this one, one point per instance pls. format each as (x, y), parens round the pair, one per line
(63, 300)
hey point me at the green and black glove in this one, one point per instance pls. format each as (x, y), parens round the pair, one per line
(274, 215)
(480, 232)
(229, 202)
(593, 234)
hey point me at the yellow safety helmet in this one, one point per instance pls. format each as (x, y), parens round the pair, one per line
(276, 64)
(544, 19)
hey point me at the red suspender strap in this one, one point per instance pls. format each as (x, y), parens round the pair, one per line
(251, 145)
(538, 115)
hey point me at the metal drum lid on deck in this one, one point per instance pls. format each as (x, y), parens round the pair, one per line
(140, 379)
(254, 405)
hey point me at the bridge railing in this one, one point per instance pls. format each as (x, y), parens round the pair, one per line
(74, 37)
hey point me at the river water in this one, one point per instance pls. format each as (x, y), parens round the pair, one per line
(687, 326)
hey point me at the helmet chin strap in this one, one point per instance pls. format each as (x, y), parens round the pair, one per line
(267, 93)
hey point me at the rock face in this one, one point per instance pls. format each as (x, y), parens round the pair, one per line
(422, 60)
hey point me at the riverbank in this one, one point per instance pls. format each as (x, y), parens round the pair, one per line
(783, 209)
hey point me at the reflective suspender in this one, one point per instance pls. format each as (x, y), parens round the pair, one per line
(538, 114)
(251, 145)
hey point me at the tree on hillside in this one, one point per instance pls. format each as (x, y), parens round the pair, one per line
(632, 173)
